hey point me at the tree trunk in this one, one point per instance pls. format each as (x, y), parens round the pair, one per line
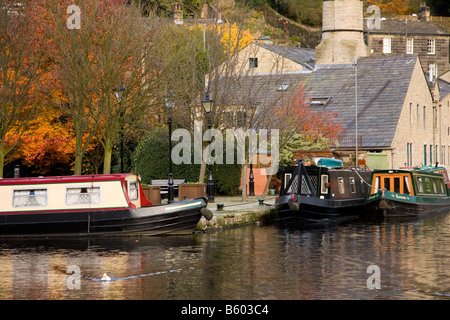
(244, 181)
(78, 153)
(201, 177)
(107, 156)
(2, 160)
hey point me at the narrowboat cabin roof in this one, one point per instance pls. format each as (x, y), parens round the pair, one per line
(66, 179)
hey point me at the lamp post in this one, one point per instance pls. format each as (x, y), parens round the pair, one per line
(170, 103)
(207, 106)
(251, 182)
(356, 111)
(118, 94)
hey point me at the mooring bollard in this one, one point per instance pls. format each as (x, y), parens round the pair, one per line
(261, 202)
(219, 206)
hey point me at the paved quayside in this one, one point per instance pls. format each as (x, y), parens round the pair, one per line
(235, 212)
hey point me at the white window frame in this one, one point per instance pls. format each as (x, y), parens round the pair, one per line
(431, 46)
(387, 45)
(80, 201)
(34, 197)
(410, 45)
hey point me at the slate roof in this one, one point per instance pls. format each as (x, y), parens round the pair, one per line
(402, 26)
(444, 88)
(303, 56)
(382, 86)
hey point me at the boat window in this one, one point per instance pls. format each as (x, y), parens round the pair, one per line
(442, 186)
(407, 189)
(377, 184)
(434, 186)
(397, 184)
(30, 198)
(419, 184)
(362, 186)
(85, 195)
(287, 178)
(352, 185)
(134, 194)
(324, 184)
(387, 184)
(341, 185)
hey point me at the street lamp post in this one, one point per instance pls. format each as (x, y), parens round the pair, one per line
(251, 182)
(210, 188)
(170, 103)
(117, 93)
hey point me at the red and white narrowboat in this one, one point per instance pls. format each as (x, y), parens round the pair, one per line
(90, 205)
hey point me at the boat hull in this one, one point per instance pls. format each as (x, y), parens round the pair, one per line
(391, 204)
(313, 208)
(179, 217)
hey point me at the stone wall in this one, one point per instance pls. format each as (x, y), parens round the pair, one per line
(398, 46)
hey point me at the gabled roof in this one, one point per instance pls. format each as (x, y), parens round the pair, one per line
(303, 56)
(444, 88)
(403, 26)
(382, 86)
(383, 83)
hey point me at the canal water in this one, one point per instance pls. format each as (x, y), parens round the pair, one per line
(361, 259)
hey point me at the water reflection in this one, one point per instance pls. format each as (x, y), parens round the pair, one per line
(323, 262)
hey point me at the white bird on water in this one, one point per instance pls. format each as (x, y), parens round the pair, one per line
(106, 277)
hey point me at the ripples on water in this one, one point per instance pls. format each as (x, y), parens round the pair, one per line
(271, 262)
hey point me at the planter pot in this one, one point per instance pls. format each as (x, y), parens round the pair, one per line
(191, 191)
(153, 193)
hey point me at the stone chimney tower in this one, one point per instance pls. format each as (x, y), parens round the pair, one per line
(177, 13)
(424, 12)
(342, 33)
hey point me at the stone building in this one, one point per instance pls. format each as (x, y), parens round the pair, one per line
(385, 102)
(415, 37)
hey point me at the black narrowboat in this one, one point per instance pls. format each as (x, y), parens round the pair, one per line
(323, 191)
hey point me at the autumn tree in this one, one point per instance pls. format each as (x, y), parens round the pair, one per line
(23, 65)
(101, 67)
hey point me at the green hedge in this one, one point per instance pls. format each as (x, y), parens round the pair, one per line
(151, 161)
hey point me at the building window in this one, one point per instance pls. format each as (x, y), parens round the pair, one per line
(253, 63)
(431, 154)
(417, 114)
(431, 46)
(410, 46)
(387, 45)
(424, 118)
(410, 113)
(424, 154)
(409, 154)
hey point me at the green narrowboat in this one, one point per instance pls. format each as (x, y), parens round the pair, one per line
(399, 192)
